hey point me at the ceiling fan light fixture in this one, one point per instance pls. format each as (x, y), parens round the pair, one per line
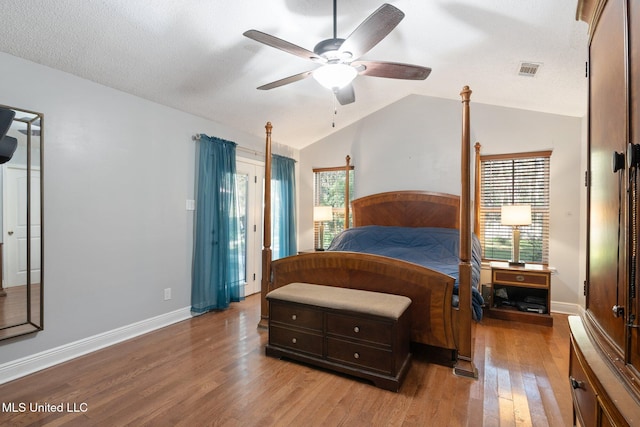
(335, 76)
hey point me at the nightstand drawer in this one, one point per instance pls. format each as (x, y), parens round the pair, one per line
(295, 315)
(359, 328)
(528, 278)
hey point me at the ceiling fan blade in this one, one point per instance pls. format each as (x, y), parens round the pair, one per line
(372, 30)
(392, 70)
(286, 80)
(346, 95)
(284, 45)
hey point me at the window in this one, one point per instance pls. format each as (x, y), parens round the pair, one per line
(330, 190)
(515, 179)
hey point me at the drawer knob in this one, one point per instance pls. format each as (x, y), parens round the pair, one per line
(294, 317)
(520, 278)
(356, 355)
(575, 384)
(293, 340)
(356, 329)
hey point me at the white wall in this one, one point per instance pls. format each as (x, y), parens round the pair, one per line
(414, 144)
(117, 172)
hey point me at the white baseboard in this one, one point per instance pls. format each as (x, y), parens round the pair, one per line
(564, 308)
(27, 365)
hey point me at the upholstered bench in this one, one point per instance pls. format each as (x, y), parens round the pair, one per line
(361, 333)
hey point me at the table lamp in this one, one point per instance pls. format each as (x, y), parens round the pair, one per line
(515, 216)
(322, 214)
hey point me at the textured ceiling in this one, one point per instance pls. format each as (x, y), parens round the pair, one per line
(191, 54)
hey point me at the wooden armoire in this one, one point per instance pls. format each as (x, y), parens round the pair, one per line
(604, 371)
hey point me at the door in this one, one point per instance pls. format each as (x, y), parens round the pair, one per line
(634, 136)
(607, 263)
(250, 178)
(15, 227)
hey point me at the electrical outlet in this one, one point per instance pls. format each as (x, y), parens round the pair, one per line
(167, 294)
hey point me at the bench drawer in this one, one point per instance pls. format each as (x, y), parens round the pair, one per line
(360, 355)
(295, 315)
(296, 340)
(360, 333)
(359, 328)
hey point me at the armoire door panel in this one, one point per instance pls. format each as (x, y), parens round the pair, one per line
(634, 136)
(608, 133)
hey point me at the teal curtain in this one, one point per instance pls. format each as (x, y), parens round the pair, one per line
(215, 278)
(283, 206)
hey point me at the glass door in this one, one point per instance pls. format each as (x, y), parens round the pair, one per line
(250, 178)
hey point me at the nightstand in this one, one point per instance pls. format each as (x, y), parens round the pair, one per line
(522, 294)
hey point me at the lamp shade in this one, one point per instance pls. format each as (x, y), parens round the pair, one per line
(335, 76)
(322, 213)
(515, 215)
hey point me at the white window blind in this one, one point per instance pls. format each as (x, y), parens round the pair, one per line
(515, 179)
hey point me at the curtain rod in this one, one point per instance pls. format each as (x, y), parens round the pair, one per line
(196, 137)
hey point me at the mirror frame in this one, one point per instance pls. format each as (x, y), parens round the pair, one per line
(33, 322)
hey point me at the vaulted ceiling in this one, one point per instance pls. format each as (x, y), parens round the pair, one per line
(191, 55)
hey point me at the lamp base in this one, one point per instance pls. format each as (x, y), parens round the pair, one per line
(516, 264)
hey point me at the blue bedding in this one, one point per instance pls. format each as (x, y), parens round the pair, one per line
(434, 248)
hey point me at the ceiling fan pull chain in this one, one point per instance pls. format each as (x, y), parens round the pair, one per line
(335, 112)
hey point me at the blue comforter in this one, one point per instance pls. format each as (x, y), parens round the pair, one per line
(434, 248)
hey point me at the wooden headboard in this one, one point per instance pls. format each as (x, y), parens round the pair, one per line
(407, 209)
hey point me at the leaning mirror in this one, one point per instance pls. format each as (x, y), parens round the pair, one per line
(21, 287)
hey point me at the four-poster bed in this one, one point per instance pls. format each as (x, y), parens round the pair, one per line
(434, 320)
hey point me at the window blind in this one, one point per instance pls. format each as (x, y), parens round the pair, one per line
(515, 179)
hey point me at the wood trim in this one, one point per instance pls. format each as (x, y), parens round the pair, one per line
(589, 11)
(545, 153)
(465, 366)
(347, 168)
(335, 168)
(477, 202)
(266, 250)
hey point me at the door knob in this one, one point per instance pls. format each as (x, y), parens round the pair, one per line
(10, 233)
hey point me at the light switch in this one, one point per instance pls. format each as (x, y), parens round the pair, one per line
(191, 205)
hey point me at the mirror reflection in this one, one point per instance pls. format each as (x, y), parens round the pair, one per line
(21, 225)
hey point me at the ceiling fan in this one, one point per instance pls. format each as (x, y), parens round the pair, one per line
(339, 57)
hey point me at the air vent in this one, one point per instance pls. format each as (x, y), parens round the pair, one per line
(529, 69)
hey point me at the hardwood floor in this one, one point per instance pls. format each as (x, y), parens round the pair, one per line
(211, 370)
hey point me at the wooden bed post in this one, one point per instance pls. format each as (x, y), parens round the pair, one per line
(346, 193)
(477, 193)
(464, 364)
(266, 249)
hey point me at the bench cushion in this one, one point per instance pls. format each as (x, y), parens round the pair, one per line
(375, 303)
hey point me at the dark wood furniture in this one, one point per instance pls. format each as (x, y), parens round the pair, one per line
(599, 397)
(364, 334)
(520, 284)
(605, 341)
(434, 321)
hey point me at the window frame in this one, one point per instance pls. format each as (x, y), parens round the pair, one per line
(539, 201)
(338, 223)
